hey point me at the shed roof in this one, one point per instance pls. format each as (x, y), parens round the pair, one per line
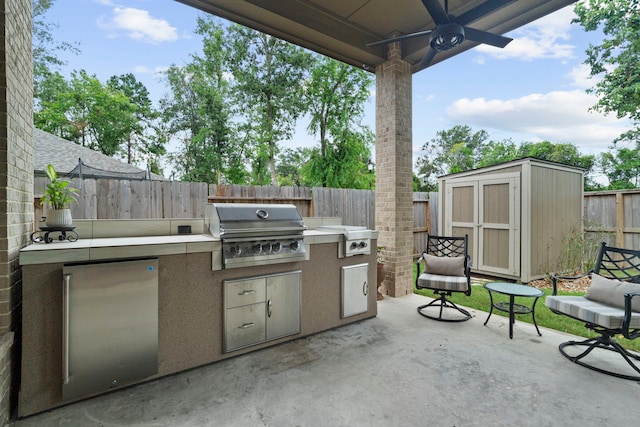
(65, 155)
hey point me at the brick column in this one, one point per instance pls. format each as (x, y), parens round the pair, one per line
(16, 183)
(394, 178)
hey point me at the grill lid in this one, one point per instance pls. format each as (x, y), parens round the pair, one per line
(235, 220)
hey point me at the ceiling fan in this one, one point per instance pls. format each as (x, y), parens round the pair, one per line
(451, 30)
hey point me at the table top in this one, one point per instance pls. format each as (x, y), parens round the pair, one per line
(514, 289)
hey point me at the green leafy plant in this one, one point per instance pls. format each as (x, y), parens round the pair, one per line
(58, 194)
(379, 255)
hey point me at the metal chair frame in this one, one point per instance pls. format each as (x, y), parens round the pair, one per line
(446, 246)
(612, 263)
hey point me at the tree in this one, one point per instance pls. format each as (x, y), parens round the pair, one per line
(344, 164)
(137, 143)
(85, 111)
(455, 150)
(336, 95)
(44, 45)
(197, 111)
(269, 77)
(622, 168)
(616, 59)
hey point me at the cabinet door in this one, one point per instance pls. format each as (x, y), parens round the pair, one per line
(355, 289)
(283, 304)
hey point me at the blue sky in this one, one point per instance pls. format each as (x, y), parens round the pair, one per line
(532, 90)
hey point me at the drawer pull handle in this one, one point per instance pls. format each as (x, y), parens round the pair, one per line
(247, 325)
(364, 288)
(249, 292)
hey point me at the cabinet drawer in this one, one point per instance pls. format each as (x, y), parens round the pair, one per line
(244, 326)
(244, 292)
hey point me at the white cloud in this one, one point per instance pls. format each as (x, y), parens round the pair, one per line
(544, 38)
(139, 25)
(580, 77)
(559, 117)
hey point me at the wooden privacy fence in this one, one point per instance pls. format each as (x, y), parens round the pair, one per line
(128, 199)
(615, 214)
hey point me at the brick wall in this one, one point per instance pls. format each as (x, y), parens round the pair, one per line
(394, 193)
(16, 182)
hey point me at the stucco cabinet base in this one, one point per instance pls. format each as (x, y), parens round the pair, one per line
(190, 313)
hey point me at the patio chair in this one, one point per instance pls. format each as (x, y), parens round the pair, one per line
(610, 307)
(447, 270)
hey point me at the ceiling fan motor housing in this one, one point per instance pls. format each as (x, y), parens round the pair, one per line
(446, 36)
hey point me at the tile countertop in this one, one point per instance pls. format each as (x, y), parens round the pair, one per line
(131, 247)
(116, 247)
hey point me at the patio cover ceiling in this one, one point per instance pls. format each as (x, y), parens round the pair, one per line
(341, 28)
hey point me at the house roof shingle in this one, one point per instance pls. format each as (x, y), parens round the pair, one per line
(64, 155)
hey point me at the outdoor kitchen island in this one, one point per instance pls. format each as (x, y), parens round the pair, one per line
(191, 302)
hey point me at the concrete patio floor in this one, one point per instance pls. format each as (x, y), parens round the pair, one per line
(398, 369)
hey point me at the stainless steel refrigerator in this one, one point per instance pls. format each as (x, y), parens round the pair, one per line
(110, 325)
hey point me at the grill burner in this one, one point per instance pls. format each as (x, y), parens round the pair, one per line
(357, 239)
(254, 234)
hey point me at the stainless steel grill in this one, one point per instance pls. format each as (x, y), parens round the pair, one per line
(254, 234)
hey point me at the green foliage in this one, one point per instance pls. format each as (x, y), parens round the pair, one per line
(336, 95)
(344, 164)
(461, 149)
(57, 194)
(580, 249)
(44, 45)
(269, 76)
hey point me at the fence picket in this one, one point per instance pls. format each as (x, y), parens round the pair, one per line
(614, 212)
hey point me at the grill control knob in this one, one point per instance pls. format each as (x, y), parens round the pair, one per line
(235, 250)
(294, 245)
(362, 244)
(275, 247)
(256, 248)
(353, 245)
(266, 247)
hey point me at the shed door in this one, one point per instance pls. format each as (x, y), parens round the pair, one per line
(488, 211)
(499, 225)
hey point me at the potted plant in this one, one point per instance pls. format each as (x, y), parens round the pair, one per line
(58, 196)
(379, 271)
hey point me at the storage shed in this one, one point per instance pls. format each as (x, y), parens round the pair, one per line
(516, 214)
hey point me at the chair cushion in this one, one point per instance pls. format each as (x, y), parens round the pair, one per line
(444, 265)
(611, 292)
(443, 283)
(591, 311)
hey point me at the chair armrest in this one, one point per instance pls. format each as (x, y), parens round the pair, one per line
(627, 316)
(554, 280)
(418, 262)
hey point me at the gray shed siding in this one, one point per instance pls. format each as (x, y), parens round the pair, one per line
(516, 215)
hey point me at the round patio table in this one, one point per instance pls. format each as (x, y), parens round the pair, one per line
(513, 290)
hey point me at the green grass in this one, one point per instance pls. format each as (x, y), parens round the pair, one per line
(479, 300)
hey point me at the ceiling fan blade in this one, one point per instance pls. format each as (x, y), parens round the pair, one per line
(486, 37)
(427, 58)
(399, 38)
(483, 10)
(437, 12)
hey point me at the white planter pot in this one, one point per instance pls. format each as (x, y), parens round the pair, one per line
(59, 218)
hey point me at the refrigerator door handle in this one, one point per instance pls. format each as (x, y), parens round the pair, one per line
(66, 283)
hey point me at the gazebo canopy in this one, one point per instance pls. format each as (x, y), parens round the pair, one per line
(341, 29)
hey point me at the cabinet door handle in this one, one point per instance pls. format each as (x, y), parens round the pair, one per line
(364, 287)
(66, 283)
(269, 308)
(247, 325)
(249, 292)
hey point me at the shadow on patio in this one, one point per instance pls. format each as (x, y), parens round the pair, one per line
(393, 370)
